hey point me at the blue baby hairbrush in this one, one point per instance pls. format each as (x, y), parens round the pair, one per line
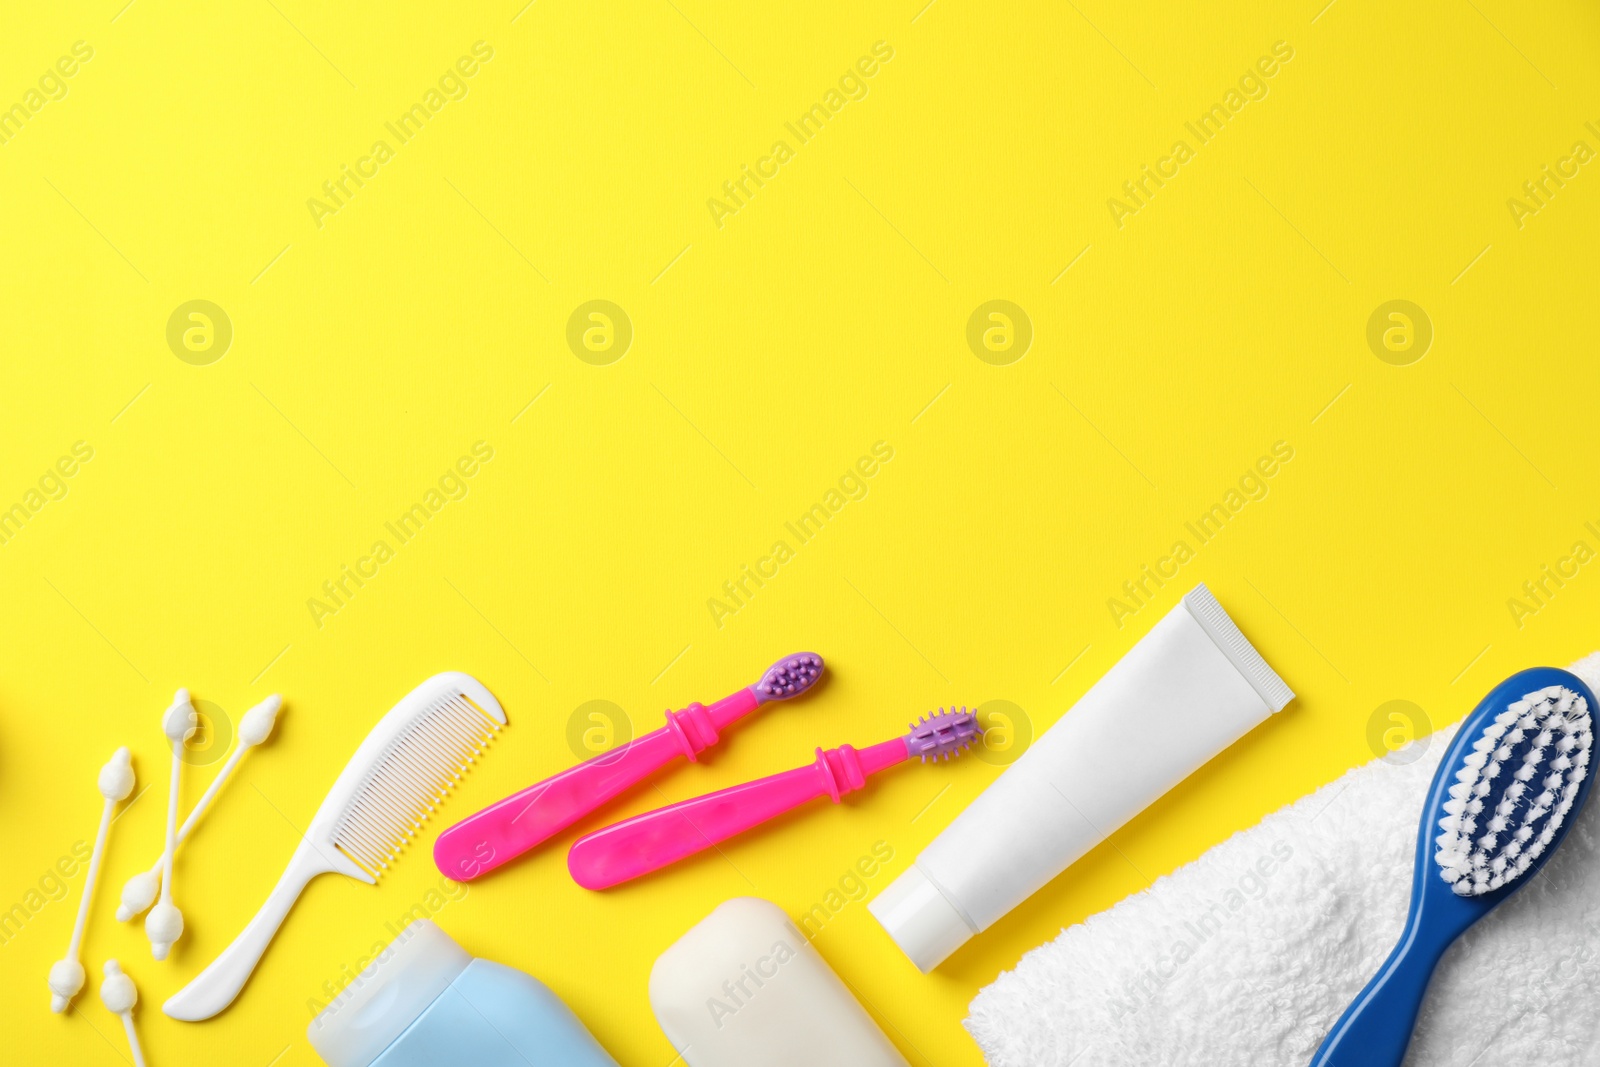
(1505, 794)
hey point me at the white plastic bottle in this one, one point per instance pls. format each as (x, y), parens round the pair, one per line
(1190, 688)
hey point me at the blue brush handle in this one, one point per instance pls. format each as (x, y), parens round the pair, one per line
(1376, 1028)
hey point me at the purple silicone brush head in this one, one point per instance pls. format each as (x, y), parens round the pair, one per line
(789, 677)
(942, 735)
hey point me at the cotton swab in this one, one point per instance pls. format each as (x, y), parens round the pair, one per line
(164, 924)
(119, 995)
(254, 727)
(66, 974)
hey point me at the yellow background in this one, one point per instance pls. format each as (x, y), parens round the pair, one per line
(830, 313)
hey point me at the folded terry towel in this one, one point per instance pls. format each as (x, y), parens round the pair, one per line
(1250, 953)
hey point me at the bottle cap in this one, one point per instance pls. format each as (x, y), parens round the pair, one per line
(389, 995)
(921, 919)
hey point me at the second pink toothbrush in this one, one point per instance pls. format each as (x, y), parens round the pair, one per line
(657, 838)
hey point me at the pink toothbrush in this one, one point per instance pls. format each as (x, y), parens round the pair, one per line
(657, 838)
(505, 830)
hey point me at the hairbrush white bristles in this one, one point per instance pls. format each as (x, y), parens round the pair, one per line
(119, 995)
(66, 974)
(139, 892)
(164, 924)
(1516, 787)
(406, 765)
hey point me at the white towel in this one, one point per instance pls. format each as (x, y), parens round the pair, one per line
(1249, 954)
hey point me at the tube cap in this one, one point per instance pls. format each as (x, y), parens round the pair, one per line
(921, 919)
(381, 1001)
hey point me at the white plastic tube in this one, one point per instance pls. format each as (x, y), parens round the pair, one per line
(1189, 689)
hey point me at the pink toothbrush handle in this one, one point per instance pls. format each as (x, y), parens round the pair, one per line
(657, 838)
(506, 829)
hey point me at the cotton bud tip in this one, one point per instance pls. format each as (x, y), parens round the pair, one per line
(66, 978)
(117, 991)
(257, 723)
(116, 777)
(180, 720)
(163, 925)
(138, 893)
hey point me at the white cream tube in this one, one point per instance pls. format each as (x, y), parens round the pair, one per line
(1189, 689)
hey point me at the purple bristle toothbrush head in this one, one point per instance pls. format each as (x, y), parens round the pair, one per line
(789, 677)
(942, 735)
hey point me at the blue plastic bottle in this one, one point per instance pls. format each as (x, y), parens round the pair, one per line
(426, 1003)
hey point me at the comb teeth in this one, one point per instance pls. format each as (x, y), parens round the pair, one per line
(942, 735)
(415, 772)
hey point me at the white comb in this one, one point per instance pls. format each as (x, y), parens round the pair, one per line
(406, 765)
